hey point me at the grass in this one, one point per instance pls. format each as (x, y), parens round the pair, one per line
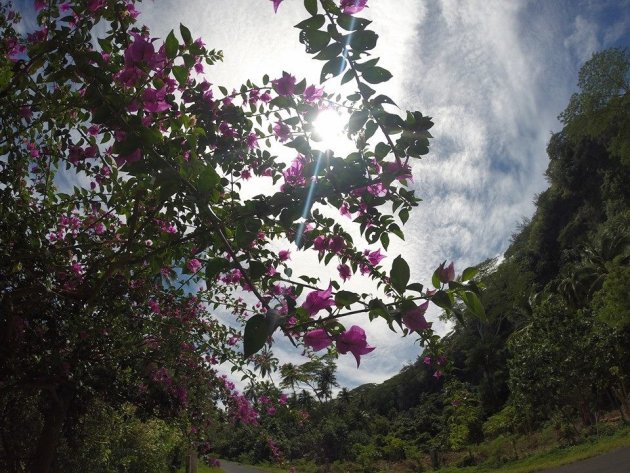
(554, 458)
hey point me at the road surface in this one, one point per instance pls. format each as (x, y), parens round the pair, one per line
(617, 461)
(230, 467)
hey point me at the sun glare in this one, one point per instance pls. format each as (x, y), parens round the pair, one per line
(329, 126)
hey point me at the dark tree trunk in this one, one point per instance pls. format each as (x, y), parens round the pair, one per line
(54, 418)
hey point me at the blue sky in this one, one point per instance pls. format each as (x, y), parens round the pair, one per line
(494, 75)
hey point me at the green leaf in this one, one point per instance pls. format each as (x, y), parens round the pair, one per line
(329, 52)
(208, 180)
(346, 298)
(385, 240)
(370, 129)
(351, 23)
(256, 334)
(442, 299)
(181, 74)
(400, 274)
(362, 40)
(357, 120)
(186, 36)
(473, 302)
(314, 40)
(381, 150)
(376, 75)
(215, 266)
(334, 67)
(380, 99)
(311, 6)
(347, 77)
(313, 23)
(256, 270)
(172, 45)
(435, 279)
(416, 287)
(469, 273)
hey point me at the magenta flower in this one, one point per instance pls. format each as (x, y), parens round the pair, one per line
(284, 255)
(154, 306)
(374, 257)
(193, 265)
(252, 140)
(318, 300)
(312, 93)
(352, 6)
(282, 131)
(336, 244)
(285, 85)
(317, 339)
(276, 4)
(320, 243)
(95, 5)
(344, 271)
(39, 5)
(354, 341)
(155, 100)
(446, 274)
(265, 97)
(414, 318)
(426, 360)
(294, 175)
(132, 157)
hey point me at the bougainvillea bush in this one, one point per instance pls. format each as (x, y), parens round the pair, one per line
(124, 223)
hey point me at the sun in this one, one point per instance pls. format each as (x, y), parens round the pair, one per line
(329, 129)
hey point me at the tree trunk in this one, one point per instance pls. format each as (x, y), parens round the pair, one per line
(191, 461)
(54, 417)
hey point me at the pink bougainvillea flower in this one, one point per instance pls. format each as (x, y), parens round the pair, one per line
(345, 210)
(284, 255)
(252, 140)
(294, 174)
(193, 265)
(131, 10)
(129, 158)
(438, 374)
(318, 300)
(39, 4)
(285, 85)
(352, 6)
(154, 306)
(312, 93)
(336, 244)
(320, 243)
(355, 342)
(374, 257)
(265, 97)
(155, 100)
(65, 7)
(317, 339)
(344, 271)
(446, 274)
(426, 360)
(400, 170)
(276, 4)
(282, 131)
(414, 318)
(96, 5)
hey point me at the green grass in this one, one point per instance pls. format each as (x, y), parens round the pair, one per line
(557, 457)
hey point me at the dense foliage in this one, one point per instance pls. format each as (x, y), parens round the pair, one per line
(553, 350)
(130, 219)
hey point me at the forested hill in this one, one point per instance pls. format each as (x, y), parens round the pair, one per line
(555, 343)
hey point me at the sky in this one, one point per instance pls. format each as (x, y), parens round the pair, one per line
(493, 74)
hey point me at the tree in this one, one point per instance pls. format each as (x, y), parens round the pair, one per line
(124, 225)
(604, 83)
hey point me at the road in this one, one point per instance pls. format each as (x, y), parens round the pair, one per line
(230, 467)
(617, 461)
